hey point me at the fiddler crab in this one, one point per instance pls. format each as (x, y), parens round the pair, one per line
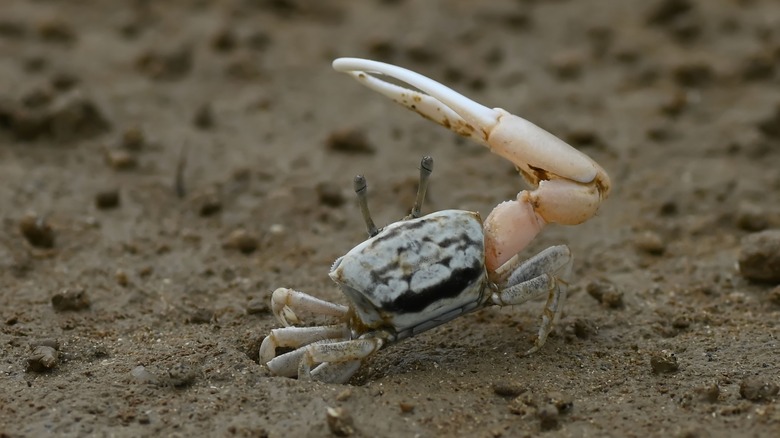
(420, 272)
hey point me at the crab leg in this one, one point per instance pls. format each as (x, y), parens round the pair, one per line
(569, 186)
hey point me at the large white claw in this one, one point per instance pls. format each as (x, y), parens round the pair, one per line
(569, 185)
(531, 148)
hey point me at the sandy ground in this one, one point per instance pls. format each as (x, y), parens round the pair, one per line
(165, 165)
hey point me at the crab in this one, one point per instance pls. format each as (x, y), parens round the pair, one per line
(423, 271)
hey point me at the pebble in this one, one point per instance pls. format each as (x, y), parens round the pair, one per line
(204, 117)
(107, 199)
(406, 408)
(664, 362)
(650, 242)
(759, 257)
(165, 65)
(70, 299)
(43, 358)
(75, 117)
(330, 194)
(257, 305)
(708, 393)
(120, 159)
(133, 139)
(340, 422)
(757, 390)
(37, 231)
(349, 141)
(508, 389)
(242, 240)
(606, 293)
(751, 218)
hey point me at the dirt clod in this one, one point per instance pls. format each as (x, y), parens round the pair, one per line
(74, 116)
(349, 141)
(508, 389)
(42, 358)
(606, 293)
(757, 389)
(107, 199)
(70, 299)
(173, 64)
(340, 422)
(664, 362)
(330, 194)
(241, 240)
(120, 159)
(406, 408)
(708, 393)
(204, 117)
(759, 257)
(650, 242)
(257, 305)
(37, 231)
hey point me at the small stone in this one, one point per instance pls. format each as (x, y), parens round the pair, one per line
(180, 375)
(759, 257)
(344, 395)
(774, 296)
(508, 389)
(121, 278)
(664, 362)
(650, 242)
(757, 390)
(53, 343)
(204, 118)
(70, 299)
(37, 231)
(43, 358)
(120, 159)
(751, 218)
(406, 408)
(75, 117)
(224, 41)
(548, 416)
(580, 328)
(172, 64)
(107, 199)
(330, 194)
(770, 126)
(606, 293)
(200, 316)
(56, 31)
(567, 65)
(340, 422)
(563, 402)
(349, 141)
(666, 11)
(133, 139)
(241, 240)
(693, 74)
(257, 305)
(64, 81)
(708, 393)
(208, 203)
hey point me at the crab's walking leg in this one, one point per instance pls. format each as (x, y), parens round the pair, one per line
(297, 336)
(546, 272)
(335, 372)
(569, 186)
(342, 351)
(285, 302)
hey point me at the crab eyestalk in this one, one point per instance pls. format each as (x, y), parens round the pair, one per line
(361, 188)
(426, 168)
